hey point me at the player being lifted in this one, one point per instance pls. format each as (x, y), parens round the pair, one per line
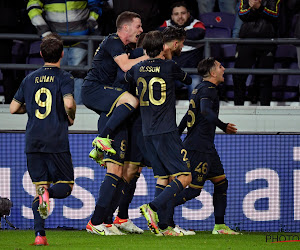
(47, 96)
(201, 121)
(156, 89)
(98, 92)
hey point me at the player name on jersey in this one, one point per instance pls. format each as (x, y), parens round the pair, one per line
(150, 69)
(44, 78)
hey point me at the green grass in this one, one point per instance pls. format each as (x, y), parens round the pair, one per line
(21, 239)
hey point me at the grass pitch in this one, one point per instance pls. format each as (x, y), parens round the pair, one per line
(21, 239)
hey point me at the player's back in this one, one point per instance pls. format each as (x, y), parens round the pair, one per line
(47, 126)
(104, 68)
(155, 82)
(201, 132)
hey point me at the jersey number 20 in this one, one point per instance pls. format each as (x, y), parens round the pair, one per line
(149, 86)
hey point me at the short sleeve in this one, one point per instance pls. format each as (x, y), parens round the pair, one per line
(129, 75)
(19, 96)
(67, 86)
(179, 74)
(115, 47)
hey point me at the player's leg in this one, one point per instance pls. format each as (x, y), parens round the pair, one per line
(122, 221)
(125, 105)
(38, 172)
(39, 222)
(61, 168)
(106, 193)
(131, 173)
(174, 157)
(218, 178)
(200, 166)
(104, 99)
(170, 159)
(112, 186)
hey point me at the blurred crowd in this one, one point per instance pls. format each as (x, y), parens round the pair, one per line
(252, 19)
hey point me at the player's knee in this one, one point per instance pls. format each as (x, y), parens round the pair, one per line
(133, 101)
(130, 99)
(185, 180)
(221, 187)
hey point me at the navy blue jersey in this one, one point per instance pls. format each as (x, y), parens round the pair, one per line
(156, 89)
(47, 127)
(201, 132)
(104, 68)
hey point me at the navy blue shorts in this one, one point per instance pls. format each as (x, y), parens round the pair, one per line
(168, 157)
(46, 168)
(120, 141)
(100, 98)
(136, 153)
(204, 166)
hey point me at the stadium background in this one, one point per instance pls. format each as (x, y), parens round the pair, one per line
(262, 167)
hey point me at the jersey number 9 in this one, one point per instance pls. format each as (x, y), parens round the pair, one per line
(43, 104)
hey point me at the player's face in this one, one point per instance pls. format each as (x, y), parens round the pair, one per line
(219, 72)
(178, 45)
(134, 30)
(180, 15)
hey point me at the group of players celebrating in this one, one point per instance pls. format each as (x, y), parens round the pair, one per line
(134, 94)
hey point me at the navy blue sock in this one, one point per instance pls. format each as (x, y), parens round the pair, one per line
(186, 195)
(122, 187)
(127, 198)
(220, 200)
(118, 116)
(106, 193)
(158, 189)
(59, 191)
(168, 193)
(39, 223)
(161, 213)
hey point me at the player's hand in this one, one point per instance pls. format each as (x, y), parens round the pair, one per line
(231, 129)
(70, 121)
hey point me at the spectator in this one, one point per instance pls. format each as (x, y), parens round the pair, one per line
(195, 30)
(67, 18)
(259, 21)
(206, 6)
(237, 22)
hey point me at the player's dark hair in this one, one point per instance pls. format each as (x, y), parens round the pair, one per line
(178, 4)
(172, 33)
(126, 17)
(51, 48)
(153, 43)
(139, 43)
(205, 66)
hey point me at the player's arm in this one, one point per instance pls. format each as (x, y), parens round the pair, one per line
(70, 107)
(125, 63)
(211, 116)
(183, 123)
(180, 75)
(16, 107)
